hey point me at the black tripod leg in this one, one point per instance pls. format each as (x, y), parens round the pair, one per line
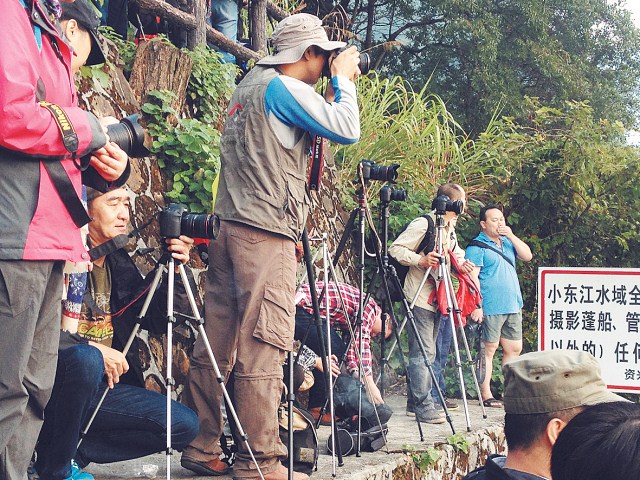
(316, 315)
(291, 396)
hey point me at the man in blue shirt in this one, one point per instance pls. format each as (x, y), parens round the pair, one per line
(494, 252)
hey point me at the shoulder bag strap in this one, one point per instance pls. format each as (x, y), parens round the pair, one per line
(478, 243)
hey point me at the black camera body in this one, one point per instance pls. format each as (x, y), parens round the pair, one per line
(388, 194)
(443, 204)
(128, 134)
(364, 63)
(175, 220)
(382, 173)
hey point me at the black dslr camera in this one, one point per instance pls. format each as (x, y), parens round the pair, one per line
(383, 173)
(443, 204)
(175, 220)
(364, 63)
(129, 136)
(388, 193)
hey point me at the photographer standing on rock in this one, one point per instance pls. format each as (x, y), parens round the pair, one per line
(263, 206)
(43, 140)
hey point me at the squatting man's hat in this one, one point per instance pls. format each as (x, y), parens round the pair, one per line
(294, 35)
(88, 18)
(553, 380)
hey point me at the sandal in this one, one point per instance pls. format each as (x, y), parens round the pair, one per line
(492, 403)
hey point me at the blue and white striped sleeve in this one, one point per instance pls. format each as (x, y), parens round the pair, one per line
(292, 103)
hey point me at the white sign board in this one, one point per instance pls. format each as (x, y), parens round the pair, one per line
(596, 310)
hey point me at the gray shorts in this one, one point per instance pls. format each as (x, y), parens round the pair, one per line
(507, 326)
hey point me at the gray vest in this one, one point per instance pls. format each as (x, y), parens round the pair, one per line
(262, 183)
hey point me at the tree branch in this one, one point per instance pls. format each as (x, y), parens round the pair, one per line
(188, 22)
(423, 23)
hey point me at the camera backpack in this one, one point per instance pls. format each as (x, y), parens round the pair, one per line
(305, 438)
(427, 244)
(371, 439)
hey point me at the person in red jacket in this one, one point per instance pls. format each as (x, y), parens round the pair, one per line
(46, 141)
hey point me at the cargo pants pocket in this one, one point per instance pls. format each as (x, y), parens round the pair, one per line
(275, 324)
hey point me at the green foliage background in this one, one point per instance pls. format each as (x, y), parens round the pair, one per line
(559, 163)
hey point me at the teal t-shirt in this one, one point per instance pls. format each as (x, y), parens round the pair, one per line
(498, 280)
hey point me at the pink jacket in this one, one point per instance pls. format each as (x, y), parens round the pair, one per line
(35, 65)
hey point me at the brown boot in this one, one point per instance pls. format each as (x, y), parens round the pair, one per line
(213, 467)
(326, 418)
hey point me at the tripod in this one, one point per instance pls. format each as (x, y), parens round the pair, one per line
(335, 307)
(325, 350)
(167, 262)
(388, 274)
(453, 315)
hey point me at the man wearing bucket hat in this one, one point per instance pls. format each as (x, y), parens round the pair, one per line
(543, 391)
(262, 204)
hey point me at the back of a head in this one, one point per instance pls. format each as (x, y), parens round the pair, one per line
(451, 190)
(88, 17)
(540, 386)
(602, 442)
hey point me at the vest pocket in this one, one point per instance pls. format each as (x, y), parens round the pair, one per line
(276, 321)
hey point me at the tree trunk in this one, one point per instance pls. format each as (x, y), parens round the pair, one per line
(275, 11)
(159, 66)
(259, 26)
(199, 35)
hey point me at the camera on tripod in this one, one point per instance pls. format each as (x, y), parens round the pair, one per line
(388, 194)
(175, 220)
(382, 173)
(443, 204)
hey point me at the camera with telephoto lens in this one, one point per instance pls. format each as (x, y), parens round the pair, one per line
(175, 220)
(364, 63)
(388, 193)
(443, 204)
(382, 173)
(128, 134)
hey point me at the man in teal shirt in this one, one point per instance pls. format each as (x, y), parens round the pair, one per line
(494, 252)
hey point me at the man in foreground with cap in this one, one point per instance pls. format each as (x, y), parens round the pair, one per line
(44, 135)
(543, 391)
(263, 206)
(131, 423)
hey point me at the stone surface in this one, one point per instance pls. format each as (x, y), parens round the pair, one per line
(393, 462)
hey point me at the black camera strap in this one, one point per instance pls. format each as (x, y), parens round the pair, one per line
(58, 175)
(478, 243)
(317, 160)
(110, 246)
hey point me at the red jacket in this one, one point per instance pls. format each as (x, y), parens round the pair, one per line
(35, 65)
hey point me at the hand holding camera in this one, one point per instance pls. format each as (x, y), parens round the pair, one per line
(109, 161)
(346, 62)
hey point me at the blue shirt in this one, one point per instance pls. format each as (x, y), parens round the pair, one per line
(498, 280)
